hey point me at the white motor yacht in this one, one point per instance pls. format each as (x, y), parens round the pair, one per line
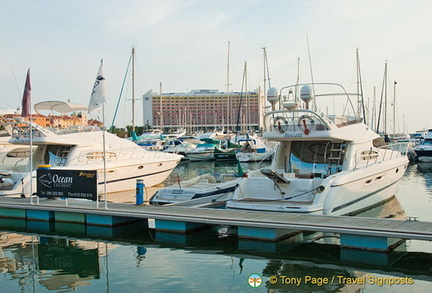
(324, 164)
(81, 148)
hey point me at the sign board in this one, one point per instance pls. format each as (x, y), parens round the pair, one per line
(67, 183)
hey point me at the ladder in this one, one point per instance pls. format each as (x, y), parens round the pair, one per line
(64, 153)
(335, 158)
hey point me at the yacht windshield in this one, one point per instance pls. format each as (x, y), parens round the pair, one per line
(309, 156)
(427, 142)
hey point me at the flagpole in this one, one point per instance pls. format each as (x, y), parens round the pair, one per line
(104, 154)
(97, 99)
(31, 160)
(26, 112)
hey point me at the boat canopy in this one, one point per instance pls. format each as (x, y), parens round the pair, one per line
(59, 106)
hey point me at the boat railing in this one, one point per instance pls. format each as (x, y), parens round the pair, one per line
(75, 129)
(21, 130)
(365, 158)
(296, 121)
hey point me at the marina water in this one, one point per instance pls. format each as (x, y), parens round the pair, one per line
(61, 257)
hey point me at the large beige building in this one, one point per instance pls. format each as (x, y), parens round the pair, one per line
(204, 110)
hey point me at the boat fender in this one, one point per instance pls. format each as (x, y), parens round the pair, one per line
(320, 189)
(302, 123)
(6, 182)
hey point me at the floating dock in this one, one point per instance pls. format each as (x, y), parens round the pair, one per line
(355, 232)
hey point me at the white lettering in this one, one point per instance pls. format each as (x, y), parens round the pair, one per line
(60, 179)
(295, 134)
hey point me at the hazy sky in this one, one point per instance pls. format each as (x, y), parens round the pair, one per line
(183, 44)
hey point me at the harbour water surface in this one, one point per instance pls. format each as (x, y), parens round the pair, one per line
(60, 257)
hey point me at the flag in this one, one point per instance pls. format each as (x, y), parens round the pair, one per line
(26, 100)
(97, 97)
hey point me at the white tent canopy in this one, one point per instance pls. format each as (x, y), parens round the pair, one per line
(59, 106)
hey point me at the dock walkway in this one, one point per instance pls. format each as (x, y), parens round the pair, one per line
(373, 227)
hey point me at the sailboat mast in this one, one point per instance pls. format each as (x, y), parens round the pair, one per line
(383, 93)
(361, 104)
(240, 101)
(133, 89)
(265, 76)
(394, 107)
(160, 107)
(228, 89)
(385, 101)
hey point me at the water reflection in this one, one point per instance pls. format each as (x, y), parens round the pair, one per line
(58, 262)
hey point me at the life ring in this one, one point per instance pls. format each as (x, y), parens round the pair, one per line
(303, 124)
(281, 124)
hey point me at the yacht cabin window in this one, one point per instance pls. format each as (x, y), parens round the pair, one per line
(56, 155)
(314, 157)
(427, 142)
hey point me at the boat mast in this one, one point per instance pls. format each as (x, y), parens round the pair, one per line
(311, 73)
(240, 102)
(228, 89)
(383, 96)
(373, 118)
(360, 100)
(266, 75)
(160, 106)
(133, 90)
(394, 108)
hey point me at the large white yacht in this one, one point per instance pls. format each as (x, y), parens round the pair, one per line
(327, 161)
(81, 148)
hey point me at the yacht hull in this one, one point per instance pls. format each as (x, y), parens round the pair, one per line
(345, 193)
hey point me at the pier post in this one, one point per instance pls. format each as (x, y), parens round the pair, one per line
(371, 243)
(140, 192)
(178, 226)
(265, 234)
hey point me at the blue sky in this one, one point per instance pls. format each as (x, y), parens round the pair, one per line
(183, 44)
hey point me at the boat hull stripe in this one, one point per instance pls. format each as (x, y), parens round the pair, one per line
(134, 177)
(362, 198)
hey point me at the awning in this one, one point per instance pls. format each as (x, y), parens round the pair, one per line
(59, 106)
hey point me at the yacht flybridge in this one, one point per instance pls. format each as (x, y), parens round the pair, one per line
(328, 161)
(81, 148)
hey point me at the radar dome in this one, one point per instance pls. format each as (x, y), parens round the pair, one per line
(272, 95)
(306, 93)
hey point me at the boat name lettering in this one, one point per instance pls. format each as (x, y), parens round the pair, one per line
(301, 190)
(295, 134)
(61, 179)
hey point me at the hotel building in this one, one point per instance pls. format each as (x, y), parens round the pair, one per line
(203, 110)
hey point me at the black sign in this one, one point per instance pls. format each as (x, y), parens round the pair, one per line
(67, 183)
